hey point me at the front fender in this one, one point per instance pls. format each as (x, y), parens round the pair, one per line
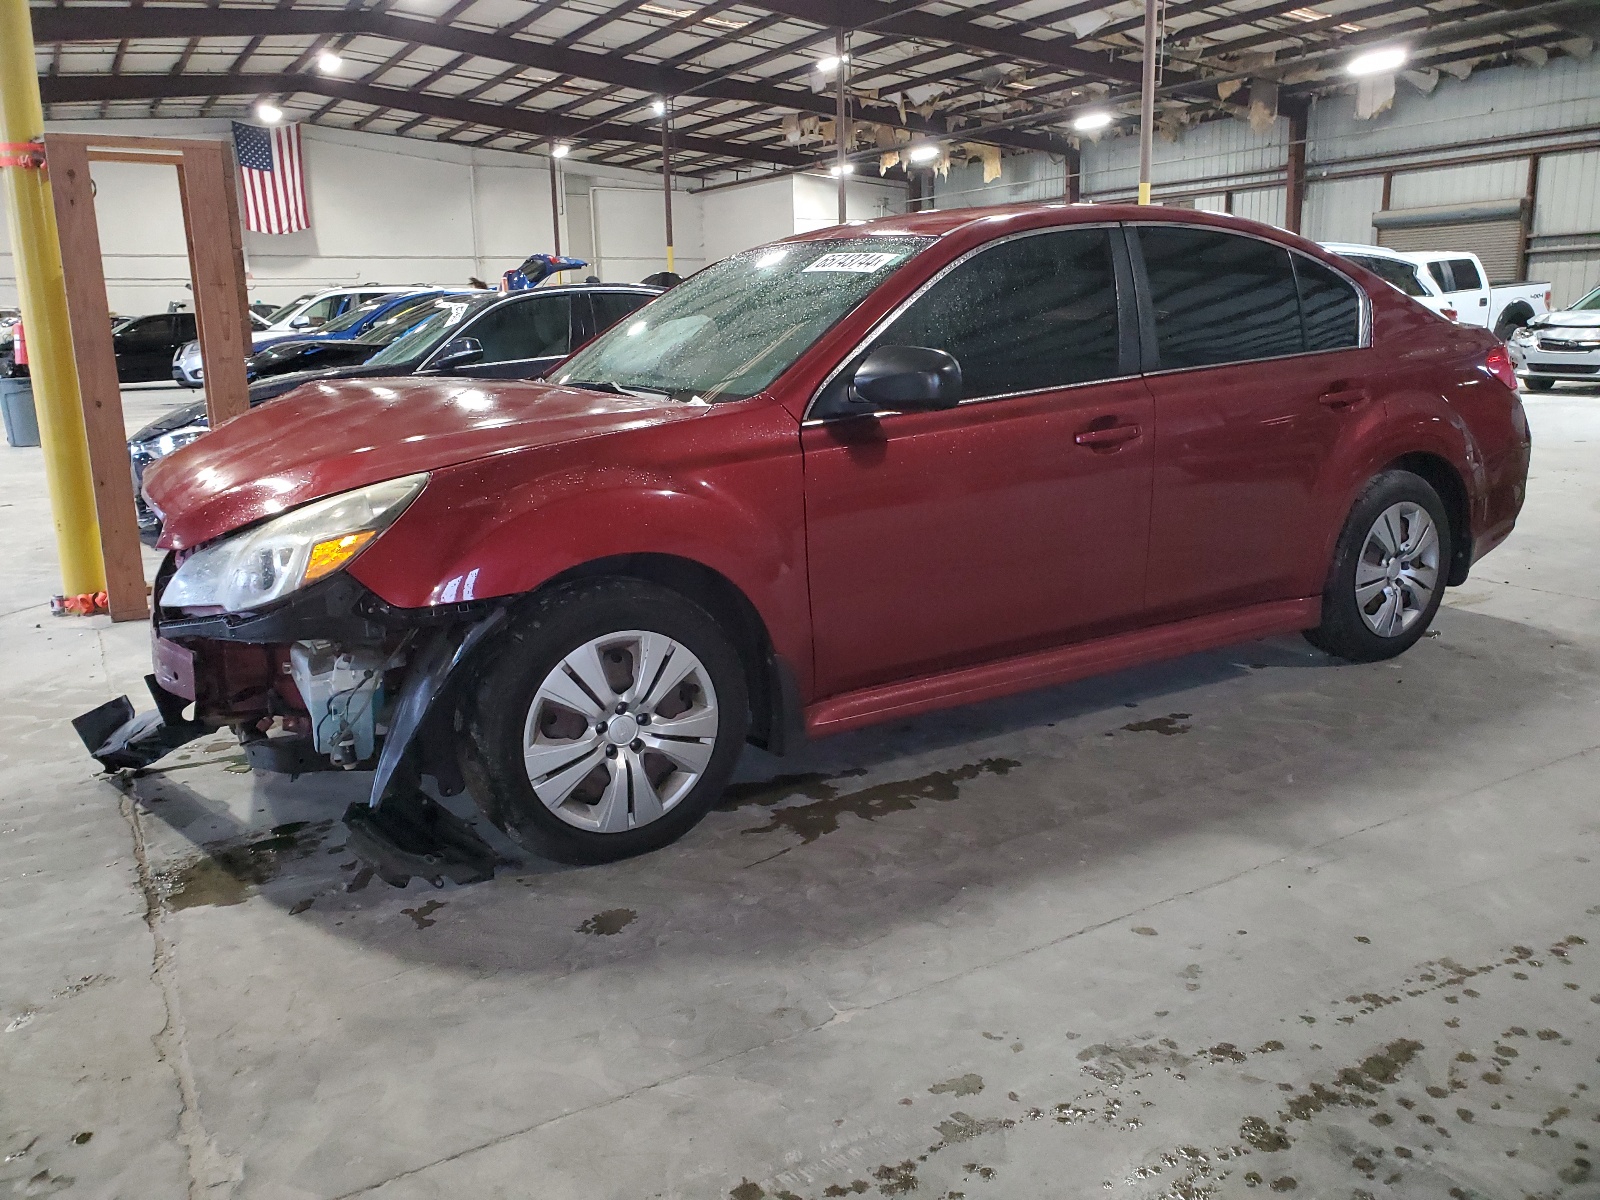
(731, 501)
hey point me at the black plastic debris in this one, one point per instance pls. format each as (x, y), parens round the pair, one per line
(120, 739)
(412, 834)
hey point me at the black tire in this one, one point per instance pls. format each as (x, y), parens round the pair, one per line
(1535, 384)
(518, 662)
(1343, 632)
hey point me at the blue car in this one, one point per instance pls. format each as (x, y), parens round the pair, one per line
(324, 346)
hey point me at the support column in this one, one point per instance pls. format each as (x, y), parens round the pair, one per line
(1295, 191)
(666, 173)
(1147, 101)
(841, 160)
(555, 198)
(36, 252)
(1074, 169)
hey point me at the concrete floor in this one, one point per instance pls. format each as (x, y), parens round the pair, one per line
(1252, 921)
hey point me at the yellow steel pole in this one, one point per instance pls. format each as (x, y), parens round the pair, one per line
(36, 251)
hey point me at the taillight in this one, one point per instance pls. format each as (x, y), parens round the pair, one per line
(1548, 299)
(1498, 363)
(1449, 314)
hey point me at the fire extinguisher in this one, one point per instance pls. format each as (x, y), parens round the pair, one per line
(19, 356)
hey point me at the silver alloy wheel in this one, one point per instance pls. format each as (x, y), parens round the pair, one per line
(620, 731)
(1398, 569)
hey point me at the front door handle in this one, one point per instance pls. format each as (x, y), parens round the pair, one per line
(1344, 400)
(1107, 439)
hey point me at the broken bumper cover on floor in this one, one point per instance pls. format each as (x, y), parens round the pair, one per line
(120, 739)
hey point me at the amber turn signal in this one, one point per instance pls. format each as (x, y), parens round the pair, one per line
(327, 557)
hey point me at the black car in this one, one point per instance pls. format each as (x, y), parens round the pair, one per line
(144, 346)
(480, 335)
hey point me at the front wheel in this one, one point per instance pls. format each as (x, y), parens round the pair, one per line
(1534, 384)
(1389, 570)
(607, 723)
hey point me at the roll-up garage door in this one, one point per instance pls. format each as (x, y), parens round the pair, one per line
(1495, 230)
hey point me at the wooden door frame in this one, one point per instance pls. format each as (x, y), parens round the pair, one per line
(210, 198)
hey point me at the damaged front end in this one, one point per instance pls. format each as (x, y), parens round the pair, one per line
(323, 675)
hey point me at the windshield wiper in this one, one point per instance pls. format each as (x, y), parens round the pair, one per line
(605, 385)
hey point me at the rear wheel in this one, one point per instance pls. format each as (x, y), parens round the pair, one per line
(1388, 573)
(609, 722)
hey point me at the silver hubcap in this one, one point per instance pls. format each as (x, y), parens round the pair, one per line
(1398, 570)
(620, 731)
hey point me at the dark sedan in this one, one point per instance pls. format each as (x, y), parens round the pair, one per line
(144, 346)
(480, 335)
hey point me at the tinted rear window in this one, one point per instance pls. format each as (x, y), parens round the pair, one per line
(1330, 306)
(1219, 297)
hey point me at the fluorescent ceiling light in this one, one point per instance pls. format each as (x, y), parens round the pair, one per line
(827, 66)
(659, 107)
(270, 113)
(926, 152)
(1089, 121)
(1377, 62)
(560, 150)
(328, 62)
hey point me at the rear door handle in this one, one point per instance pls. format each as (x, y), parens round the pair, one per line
(1102, 439)
(1344, 400)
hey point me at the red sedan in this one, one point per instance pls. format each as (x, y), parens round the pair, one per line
(846, 478)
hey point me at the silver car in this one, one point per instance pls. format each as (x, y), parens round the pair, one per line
(1560, 345)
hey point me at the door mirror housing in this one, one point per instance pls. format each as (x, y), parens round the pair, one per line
(458, 352)
(906, 379)
(300, 323)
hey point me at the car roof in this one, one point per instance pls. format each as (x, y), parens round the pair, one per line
(941, 222)
(1405, 256)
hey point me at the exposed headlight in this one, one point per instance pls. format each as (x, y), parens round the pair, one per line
(168, 442)
(1525, 336)
(284, 554)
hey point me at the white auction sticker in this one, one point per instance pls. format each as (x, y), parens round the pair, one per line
(859, 263)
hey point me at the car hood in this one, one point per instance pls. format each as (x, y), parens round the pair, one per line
(1569, 319)
(295, 451)
(270, 386)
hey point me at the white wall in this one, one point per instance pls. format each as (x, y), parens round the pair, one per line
(384, 210)
(816, 201)
(630, 232)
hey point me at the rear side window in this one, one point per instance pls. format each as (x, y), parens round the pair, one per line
(1219, 297)
(611, 307)
(522, 329)
(1466, 274)
(1399, 274)
(1028, 314)
(1330, 306)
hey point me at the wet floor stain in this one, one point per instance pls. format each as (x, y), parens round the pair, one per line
(225, 875)
(1168, 726)
(1389, 1111)
(611, 921)
(821, 816)
(961, 1085)
(422, 916)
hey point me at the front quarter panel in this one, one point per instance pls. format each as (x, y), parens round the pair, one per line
(724, 491)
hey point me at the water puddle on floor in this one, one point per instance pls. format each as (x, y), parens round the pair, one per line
(226, 873)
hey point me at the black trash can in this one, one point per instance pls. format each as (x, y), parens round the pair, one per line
(16, 403)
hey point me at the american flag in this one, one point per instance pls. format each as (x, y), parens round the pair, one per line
(272, 175)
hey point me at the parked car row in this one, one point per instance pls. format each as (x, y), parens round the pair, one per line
(1453, 284)
(475, 334)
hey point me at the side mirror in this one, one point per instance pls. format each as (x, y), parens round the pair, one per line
(459, 352)
(300, 323)
(906, 379)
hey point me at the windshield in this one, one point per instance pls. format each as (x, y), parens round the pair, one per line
(418, 330)
(1589, 303)
(730, 330)
(282, 314)
(1398, 274)
(354, 317)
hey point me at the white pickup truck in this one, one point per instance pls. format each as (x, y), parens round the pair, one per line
(1453, 284)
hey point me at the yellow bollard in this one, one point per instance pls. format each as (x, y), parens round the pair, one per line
(36, 251)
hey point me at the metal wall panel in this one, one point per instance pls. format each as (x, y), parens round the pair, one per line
(1570, 276)
(1340, 210)
(1268, 205)
(1569, 194)
(1217, 151)
(1460, 185)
